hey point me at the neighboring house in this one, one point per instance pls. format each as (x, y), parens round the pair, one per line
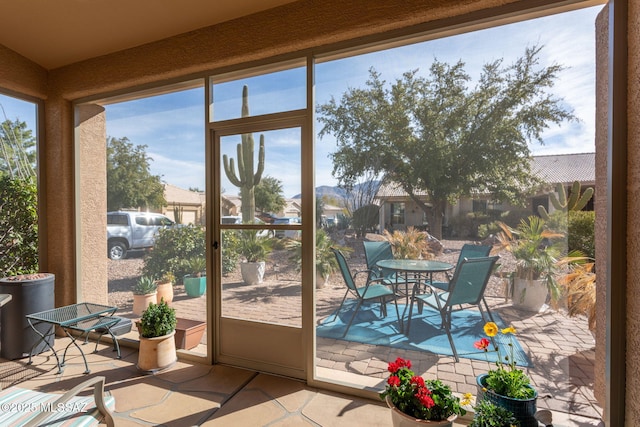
(191, 203)
(292, 209)
(398, 211)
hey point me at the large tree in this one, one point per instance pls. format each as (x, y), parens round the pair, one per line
(17, 150)
(437, 134)
(269, 196)
(130, 183)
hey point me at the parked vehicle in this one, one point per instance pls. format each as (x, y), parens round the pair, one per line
(291, 234)
(133, 230)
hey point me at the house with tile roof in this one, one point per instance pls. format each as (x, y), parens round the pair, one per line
(398, 211)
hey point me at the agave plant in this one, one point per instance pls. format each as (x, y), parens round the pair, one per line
(145, 285)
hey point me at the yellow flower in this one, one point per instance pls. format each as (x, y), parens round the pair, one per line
(509, 330)
(466, 399)
(491, 329)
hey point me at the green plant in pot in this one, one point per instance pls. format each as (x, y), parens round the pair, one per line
(506, 385)
(157, 346)
(255, 250)
(195, 282)
(537, 251)
(488, 414)
(326, 263)
(144, 293)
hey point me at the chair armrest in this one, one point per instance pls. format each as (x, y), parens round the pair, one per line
(98, 395)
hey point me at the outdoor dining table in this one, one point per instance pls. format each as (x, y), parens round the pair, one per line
(414, 271)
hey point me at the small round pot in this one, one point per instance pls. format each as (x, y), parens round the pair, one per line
(400, 419)
(165, 292)
(523, 409)
(157, 354)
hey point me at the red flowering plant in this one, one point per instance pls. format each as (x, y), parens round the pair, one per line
(420, 398)
(506, 379)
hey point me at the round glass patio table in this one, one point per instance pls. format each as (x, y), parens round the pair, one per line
(412, 271)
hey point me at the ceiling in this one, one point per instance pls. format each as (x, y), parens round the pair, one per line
(61, 32)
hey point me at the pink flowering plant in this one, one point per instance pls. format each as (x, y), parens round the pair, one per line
(420, 398)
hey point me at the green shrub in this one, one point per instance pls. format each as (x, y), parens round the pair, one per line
(230, 251)
(581, 232)
(172, 247)
(18, 226)
(487, 414)
(157, 320)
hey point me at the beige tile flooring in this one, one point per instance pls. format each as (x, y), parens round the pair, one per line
(192, 394)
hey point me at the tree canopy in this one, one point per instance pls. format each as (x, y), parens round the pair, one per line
(130, 183)
(17, 150)
(437, 134)
(268, 195)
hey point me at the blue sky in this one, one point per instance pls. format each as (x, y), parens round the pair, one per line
(172, 126)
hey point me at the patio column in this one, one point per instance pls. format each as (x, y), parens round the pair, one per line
(91, 203)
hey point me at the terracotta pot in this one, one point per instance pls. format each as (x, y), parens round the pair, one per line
(400, 419)
(523, 409)
(165, 291)
(189, 333)
(141, 302)
(156, 354)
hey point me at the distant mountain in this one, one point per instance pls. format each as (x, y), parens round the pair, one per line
(325, 190)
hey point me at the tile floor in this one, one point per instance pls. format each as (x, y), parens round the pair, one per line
(192, 394)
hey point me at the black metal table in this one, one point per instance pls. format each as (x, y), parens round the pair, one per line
(83, 317)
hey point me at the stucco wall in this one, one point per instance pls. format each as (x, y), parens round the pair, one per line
(633, 223)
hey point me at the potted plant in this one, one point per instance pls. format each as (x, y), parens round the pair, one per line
(144, 293)
(255, 250)
(416, 401)
(326, 263)
(157, 346)
(506, 385)
(195, 283)
(536, 251)
(165, 287)
(488, 414)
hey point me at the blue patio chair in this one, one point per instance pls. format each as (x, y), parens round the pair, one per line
(467, 251)
(465, 288)
(377, 251)
(374, 289)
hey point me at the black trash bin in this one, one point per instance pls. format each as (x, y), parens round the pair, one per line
(30, 293)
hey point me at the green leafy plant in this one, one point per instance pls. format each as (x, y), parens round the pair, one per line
(230, 253)
(18, 226)
(145, 285)
(326, 263)
(536, 250)
(157, 320)
(488, 414)
(252, 247)
(196, 266)
(506, 379)
(167, 277)
(172, 246)
(420, 398)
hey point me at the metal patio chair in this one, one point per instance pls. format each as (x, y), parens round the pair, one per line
(374, 289)
(465, 288)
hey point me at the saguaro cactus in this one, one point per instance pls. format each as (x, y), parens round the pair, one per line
(246, 179)
(575, 202)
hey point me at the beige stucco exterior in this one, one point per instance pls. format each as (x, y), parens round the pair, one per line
(70, 205)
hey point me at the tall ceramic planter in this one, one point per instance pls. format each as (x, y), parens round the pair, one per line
(141, 302)
(156, 354)
(252, 272)
(165, 292)
(523, 409)
(400, 419)
(195, 286)
(529, 295)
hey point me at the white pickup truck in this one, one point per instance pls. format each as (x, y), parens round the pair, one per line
(133, 230)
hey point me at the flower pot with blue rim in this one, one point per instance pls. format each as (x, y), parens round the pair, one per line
(195, 286)
(523, 409)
